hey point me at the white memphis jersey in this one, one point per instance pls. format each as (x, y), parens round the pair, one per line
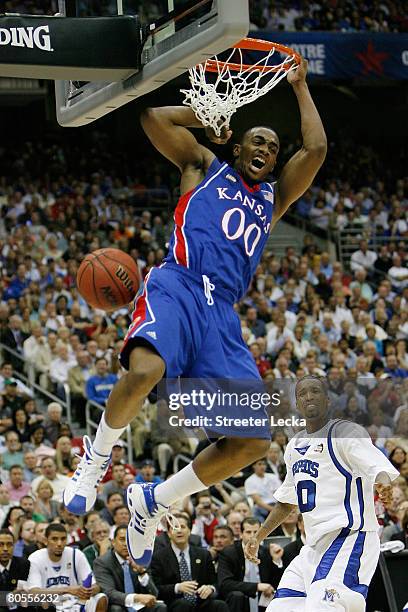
(330, 476)
(71, 570)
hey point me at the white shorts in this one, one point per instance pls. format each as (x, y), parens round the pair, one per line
(332, 575)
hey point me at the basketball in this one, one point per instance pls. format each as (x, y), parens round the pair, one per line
(108, 279)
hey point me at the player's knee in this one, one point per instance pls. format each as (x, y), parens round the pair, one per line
(146, 369)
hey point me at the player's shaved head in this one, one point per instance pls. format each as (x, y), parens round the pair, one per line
(260, 129)
(312, 401)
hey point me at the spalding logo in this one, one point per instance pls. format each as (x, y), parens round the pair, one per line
(124, 277)
(28, 37)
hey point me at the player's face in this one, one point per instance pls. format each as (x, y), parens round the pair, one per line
(56, 543)
(311, 401)
(256, 155)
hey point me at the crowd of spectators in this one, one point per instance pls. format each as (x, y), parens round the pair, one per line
(334, 16)
(288, 15)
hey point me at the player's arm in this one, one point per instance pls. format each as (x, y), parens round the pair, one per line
(299, 172)
(167, 129)
(276, 516)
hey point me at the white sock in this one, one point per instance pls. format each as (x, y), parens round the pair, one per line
(178, 486)
(106, 437)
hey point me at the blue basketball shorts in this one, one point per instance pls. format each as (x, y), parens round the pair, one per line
(192, 325)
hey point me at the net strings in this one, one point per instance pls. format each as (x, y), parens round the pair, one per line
(215, 103)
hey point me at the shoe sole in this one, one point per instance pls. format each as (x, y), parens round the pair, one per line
(146, 558)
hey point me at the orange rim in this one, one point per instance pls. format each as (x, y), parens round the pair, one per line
(254, 44)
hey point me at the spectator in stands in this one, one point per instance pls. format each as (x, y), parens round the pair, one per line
(402, 535)
(12, 518)
(6, 413)
(261, 487)
(73, 571)
(121, 516)
(274, 460)
(147, 472)
(77, 379)
(45, 505)
(14, 338)
(5, 503)
(113, 501)
(59, 369)
(16, 486)
(118, 456)
(242, 507)
(185, 574)
(99, 386)
(37, 351)
(205, 520)
(73, 525)
(12, 568)
(292, 550)
(25, 537)
(116, 484)
(49, 472)
(398, 274)
(20, 425)
(11, 398)
(125, 583)
(101, 543)
(222, 537)
(392, 368)
(262, 363)
(53, 421)
(13, 455)
(234, 521)
(240, 580)
(257, 326)
(363, 259)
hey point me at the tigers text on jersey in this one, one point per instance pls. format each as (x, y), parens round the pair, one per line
(221, 228)
(330, 476)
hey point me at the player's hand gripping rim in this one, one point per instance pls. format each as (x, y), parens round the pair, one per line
(222, 139)
(251, 551)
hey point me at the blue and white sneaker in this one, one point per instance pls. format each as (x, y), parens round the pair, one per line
(145, 516)
(80, 494)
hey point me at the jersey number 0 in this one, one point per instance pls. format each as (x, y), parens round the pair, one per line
(241, 230)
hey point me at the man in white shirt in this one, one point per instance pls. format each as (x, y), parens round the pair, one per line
(398, 273)
(260, 487)
(61, 365)
(363, 258)
(49, 472)
(64, 575)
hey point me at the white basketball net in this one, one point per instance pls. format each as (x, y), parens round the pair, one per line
(215, 103)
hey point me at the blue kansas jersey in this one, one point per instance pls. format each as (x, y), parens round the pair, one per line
(221, 228)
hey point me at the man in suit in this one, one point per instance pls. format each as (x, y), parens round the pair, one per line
(293, 549)
(124, 582)
(12, 569)
(163, 540)
(185, 574)
(240, 581)
(14, 338)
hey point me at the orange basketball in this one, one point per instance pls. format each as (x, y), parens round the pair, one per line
(108, 279)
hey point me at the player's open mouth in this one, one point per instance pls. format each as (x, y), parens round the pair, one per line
(257, 164)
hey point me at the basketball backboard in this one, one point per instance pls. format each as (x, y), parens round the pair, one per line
(176, 34)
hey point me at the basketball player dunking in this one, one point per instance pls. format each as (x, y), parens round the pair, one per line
(184, 323)
(332, 469)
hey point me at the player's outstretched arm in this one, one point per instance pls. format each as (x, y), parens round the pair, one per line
(167, 129)
(276, 516)
(300, 170)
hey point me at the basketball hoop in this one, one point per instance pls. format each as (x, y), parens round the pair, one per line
(237, 83)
